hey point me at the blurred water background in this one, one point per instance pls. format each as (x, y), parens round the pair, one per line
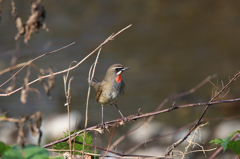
(171, 47)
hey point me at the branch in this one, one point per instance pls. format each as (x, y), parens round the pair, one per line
(131, 118)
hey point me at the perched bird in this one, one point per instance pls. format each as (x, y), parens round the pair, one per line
(111, 88)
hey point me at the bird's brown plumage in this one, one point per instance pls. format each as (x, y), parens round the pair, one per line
(108, 86)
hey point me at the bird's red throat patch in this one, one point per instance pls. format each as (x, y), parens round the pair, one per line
(118, 79)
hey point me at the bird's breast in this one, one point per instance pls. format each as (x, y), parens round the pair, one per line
(111, 93)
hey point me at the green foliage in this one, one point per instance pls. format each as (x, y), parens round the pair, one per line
(29, 151)
(3, 148)
(79, 147)
(228, 143)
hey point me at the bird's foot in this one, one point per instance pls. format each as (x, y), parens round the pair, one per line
(103, 126)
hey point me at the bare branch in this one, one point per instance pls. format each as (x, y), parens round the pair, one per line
(60, 72)
(204, 111)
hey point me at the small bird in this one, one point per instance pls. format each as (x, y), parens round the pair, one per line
(111, 88)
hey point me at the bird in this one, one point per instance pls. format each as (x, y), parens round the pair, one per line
(111, 88)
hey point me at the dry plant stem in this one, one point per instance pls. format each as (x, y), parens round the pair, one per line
(130, 118)
(68, 101)
(31, 62)
(91, 74)
(60, 72)
(203, 113)
(161, 105)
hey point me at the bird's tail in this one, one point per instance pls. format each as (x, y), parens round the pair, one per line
(95, 80)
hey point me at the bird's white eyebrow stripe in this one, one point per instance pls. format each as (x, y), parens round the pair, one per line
(118, 67)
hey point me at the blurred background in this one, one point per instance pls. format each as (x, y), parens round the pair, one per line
(171, 47)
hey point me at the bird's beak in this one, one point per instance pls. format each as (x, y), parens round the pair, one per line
(126, 68)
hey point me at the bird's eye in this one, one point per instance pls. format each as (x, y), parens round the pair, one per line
(118, 69)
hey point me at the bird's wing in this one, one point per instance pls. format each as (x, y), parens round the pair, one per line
(99, 92)
(96, 84)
